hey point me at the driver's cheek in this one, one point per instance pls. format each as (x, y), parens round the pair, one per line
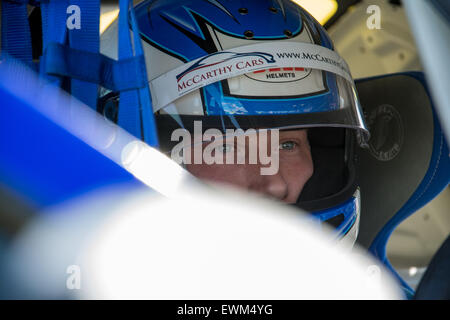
(240, 176)
(296, 171)
(285, 185)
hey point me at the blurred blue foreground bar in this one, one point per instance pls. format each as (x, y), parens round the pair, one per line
(40, 160)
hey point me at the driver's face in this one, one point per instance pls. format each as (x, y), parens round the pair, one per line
(295, 169)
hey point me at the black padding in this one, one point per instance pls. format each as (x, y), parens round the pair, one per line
(330, 174)
(399, 115)
(35, 21)
(435, 283)
(328, 154)
(326, 137)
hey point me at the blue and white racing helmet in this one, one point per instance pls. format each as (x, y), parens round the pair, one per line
(254, 64)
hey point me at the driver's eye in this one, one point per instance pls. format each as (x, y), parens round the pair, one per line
(288, 145)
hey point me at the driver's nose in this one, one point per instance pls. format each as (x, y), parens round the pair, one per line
(274, 186)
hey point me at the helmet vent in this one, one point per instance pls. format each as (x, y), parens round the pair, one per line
(273, 10)
(249, 34)
(243, 11)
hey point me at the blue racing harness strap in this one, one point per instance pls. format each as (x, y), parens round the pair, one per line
(138, 121)
(53, 31)
(87, 39)
(111, 74)
(71, 51)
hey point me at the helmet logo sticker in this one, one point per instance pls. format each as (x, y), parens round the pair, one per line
(249, 59)
(387, 132)
(279, 74)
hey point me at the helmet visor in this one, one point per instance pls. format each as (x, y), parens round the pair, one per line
(330, 102)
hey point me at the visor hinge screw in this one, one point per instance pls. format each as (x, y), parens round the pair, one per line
(243, 11)
(248, 34)
(288, 33)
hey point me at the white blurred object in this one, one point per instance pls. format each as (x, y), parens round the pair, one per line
(210, 245)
